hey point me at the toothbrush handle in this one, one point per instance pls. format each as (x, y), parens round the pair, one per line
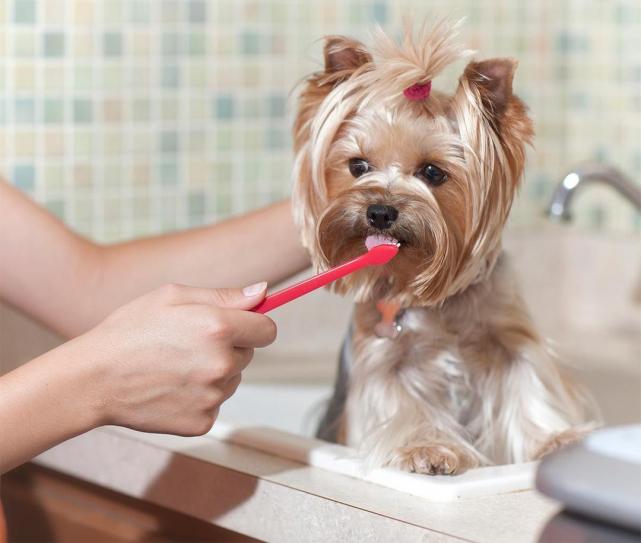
(306, 286)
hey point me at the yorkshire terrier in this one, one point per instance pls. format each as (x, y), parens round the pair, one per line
(443, 369)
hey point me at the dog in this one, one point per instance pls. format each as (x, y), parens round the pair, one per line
(446, 370)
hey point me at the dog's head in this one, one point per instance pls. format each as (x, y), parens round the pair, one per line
(380, 154)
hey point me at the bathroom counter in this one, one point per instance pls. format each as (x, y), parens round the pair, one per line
(274, 499)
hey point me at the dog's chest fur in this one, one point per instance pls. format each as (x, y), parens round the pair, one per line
(441, 362)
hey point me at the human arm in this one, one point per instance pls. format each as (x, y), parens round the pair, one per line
(162, 363)
(71, 284)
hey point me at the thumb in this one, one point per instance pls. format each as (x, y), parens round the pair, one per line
(236, 298)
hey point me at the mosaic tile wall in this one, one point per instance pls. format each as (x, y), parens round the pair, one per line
(127, 118)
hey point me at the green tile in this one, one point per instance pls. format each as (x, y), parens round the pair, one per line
(222, 173)
(224, 107)
(249, 43)
(140, 11)
(277, 104)
(224, 139)
(169, 142)
(24, 110)
(170, 44)
(196, 204)
(53, 44)
(252, 172)
(197, 44)
(24, 11)
(82, 111)
(170, 77)
(24, 176)
(276, 138)
(223, 204)
(112, 44)
(379, 12)
(53, 111)
(57, 207)
(168, 174)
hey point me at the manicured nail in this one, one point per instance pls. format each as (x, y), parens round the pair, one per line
(254, 289)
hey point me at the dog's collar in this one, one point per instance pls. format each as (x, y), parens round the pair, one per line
(389, 326)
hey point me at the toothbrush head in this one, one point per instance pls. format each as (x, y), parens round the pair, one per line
(383, 253)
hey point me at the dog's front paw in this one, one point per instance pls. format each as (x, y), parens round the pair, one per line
(432, 459)
(559, 441)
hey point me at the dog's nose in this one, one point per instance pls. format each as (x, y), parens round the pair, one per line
(381, 216)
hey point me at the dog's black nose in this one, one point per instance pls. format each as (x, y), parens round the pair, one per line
(381, 216)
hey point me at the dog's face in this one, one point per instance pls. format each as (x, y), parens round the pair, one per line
(436, 174)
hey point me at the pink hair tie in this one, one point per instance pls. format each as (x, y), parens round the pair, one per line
(418, 91)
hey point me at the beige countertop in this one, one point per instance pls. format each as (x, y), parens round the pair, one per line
(274, 499)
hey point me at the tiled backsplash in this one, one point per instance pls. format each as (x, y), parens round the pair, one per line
(129, 117)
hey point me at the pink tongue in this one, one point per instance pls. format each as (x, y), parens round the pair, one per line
(378, 239)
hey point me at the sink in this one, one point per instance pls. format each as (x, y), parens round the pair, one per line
(280, 419)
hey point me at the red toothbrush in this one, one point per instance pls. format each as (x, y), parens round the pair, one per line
(381, 251)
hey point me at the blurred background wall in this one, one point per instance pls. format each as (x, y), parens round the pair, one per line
(130, 117)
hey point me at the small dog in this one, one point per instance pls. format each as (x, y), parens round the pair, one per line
(454, 374)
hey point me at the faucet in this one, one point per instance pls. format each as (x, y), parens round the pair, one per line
(588, 172)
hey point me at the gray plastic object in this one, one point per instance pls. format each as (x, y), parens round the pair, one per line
(599, 477)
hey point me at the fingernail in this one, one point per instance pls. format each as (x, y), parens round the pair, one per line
(254, 289)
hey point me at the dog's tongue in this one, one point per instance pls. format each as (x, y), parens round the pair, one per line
(378, 239)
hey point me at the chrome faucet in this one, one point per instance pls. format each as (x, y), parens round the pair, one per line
(589, 172)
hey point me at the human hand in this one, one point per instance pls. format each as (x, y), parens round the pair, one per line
(166, 361)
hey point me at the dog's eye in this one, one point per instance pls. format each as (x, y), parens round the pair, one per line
(432, 175)
(359, 166)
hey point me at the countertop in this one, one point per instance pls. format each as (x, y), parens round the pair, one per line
(273, 499)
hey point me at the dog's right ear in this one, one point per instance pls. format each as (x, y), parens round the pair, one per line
(343, 56)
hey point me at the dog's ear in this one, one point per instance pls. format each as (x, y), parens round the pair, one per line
(492, 79)
(343, 56)
(484, 103)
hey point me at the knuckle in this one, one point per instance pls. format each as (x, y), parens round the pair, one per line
(222, 368)
(171, 292)
(213, 401)
(219, 329)
(205, 423)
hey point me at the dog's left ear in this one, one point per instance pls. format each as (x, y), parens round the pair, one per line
(492, 79)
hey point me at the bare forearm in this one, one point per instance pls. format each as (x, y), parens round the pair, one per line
(44, 402)
(71, 284)
(260, 246)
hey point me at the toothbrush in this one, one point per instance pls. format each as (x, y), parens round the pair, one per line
(377, 255)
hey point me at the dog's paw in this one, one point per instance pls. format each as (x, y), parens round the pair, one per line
(432, 459)
(559, 441)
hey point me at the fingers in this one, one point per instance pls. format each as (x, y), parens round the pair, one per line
(250, 330)
(230, 387)
(243, 356)
(231, 298)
